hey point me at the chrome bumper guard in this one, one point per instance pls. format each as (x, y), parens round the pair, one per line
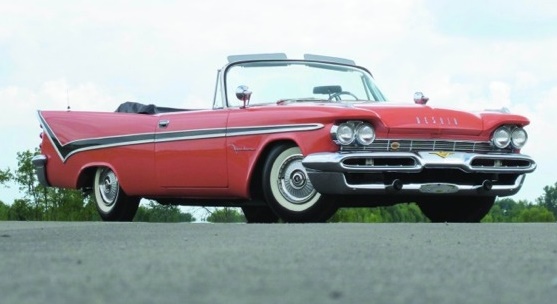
(39, 162)
(327, 171)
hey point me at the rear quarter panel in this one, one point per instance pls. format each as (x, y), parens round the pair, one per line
(72, 139)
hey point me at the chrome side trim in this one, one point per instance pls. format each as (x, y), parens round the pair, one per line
(243, 131)
(66, 150)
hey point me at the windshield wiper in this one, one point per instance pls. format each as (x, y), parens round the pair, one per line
(307, 99)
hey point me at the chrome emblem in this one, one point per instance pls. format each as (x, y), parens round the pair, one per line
(241, 149)
(442, 154)
(436, 120)
(395, 145)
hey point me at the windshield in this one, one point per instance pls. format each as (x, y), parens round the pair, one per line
(274, 81)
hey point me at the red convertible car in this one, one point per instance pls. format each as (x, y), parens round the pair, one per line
(291, 140)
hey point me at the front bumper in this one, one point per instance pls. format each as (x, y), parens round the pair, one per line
(419, 173)
(39, 162)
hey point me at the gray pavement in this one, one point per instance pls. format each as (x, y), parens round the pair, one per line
(282, 263)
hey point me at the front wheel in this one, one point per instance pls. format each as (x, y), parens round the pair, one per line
(111, 201)
(288, 190)
(463, 209)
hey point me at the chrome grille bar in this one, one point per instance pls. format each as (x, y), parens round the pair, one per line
(408, 145)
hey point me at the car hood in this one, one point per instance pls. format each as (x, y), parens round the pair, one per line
(420, 119)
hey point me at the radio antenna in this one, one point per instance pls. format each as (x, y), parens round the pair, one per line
(68, 98)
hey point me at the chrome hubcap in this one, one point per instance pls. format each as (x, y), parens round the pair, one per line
(293, 182)
(108, 187)
(298, 179)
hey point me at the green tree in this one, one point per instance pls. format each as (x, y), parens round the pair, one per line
(505, 210)
(535, 213)
(357, 215)
(403, 213)
(408, 213)
(495, 215)
(4, 211)
(226, 215)
(5, 176)
(28, 183)
(549, 199)
(21, 211)
(89, 212)
(509, 210)
(155, 212)
(41, 203)
(69, 205)
(186, 217)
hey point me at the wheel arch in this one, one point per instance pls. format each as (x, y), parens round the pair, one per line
(86, 176)
(255, 183)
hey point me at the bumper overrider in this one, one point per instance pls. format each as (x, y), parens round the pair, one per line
(418, 173)
(39, 162)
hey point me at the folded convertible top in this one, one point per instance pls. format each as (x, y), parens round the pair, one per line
(139, 108)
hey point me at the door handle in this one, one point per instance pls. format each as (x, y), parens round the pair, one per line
(164, 123)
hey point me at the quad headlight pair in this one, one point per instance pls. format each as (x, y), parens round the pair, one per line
(363, 133)
(509, 135)
(353, 131)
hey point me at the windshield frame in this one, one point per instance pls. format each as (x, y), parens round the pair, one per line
(222, 100)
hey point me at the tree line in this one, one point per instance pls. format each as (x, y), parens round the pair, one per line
(40, 203)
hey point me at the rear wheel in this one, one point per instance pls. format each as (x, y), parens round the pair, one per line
(111, 201)
(288, 190)
(463, 209)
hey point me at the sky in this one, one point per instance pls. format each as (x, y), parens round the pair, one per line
(94, 55)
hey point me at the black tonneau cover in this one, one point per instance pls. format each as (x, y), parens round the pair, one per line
(139, 108)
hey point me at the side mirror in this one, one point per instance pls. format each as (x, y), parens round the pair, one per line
(244, 94)
(419, 98)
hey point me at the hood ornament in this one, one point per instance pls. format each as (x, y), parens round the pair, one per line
(419, 98)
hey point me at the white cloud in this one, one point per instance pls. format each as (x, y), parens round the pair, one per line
(525, 80)
(500, 93)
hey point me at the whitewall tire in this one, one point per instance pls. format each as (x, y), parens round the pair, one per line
(288, 190)
(111, 201)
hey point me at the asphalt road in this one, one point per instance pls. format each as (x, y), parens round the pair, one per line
(281, 263)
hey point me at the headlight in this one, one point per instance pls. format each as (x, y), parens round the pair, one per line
(519, 137)
(345, 133)
(365, 134)
(501, 137)
(353, 131)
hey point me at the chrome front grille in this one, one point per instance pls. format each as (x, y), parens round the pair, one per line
(408, 145)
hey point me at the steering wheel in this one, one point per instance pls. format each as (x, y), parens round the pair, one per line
(336, 96)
